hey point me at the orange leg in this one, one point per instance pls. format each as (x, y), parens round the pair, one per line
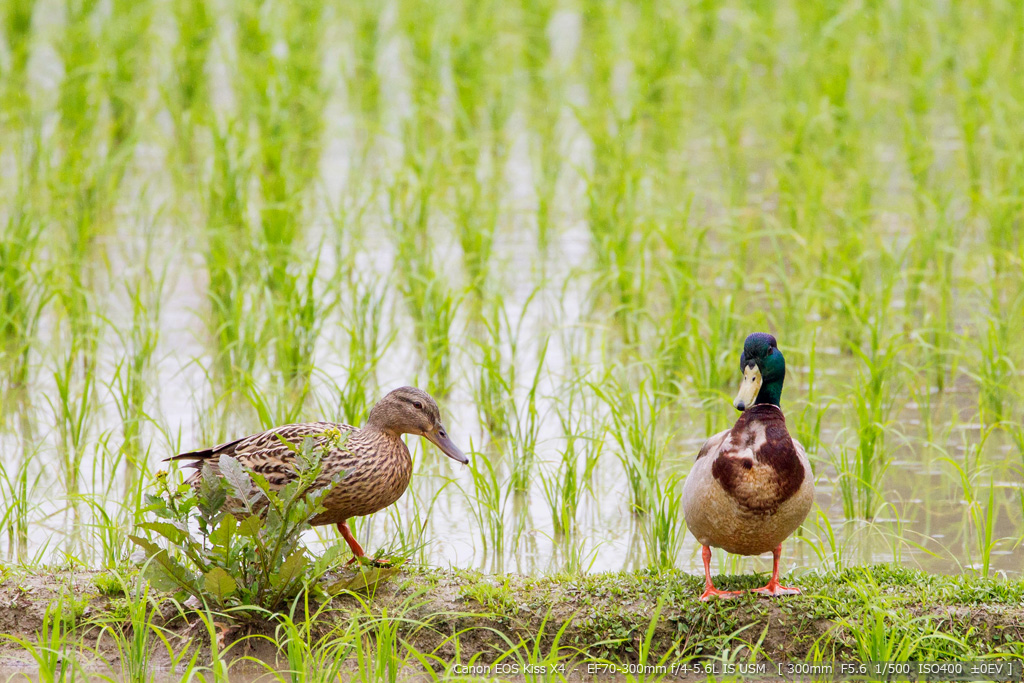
(357, 550)
(709, 588)
(346, 533)
(774, 588)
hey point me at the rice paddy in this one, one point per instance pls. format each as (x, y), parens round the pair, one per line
(561, 218)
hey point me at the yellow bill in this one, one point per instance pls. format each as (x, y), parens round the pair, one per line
(749, 388)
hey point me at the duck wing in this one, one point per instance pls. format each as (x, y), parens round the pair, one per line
(265, 452)
(713, 444)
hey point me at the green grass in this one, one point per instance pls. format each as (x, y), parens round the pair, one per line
(430, 623)
(560, 217)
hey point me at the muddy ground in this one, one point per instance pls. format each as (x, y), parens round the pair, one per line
(605, 615)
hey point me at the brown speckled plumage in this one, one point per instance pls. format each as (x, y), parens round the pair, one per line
(376, 462)
(377, 465)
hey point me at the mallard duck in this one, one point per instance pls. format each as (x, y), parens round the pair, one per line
(751, 486)
(376, 462)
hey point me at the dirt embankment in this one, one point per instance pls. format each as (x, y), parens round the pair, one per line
(460, 614)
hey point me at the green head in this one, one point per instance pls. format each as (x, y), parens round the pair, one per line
(764, 371)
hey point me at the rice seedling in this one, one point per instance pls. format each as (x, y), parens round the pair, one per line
(23, 294)
(662, 527)
(981, 516)
(488, 506)
(619, 236)
(79, 50)
(827, 547)
(231, 290)
(311, 657)
(564, 487)
(424, 27)
(367, 342)
(862, 468)
(995, 370)
(540, 660)
(188, 97)
(545, 86)
(283, 97)
(56, 646)
(132, 373)
(881, 636)
(81, 183)
(483, 104)
(710, 365)
(108, 546)
(496, 392)
(526, 430)
(17, 488)
(73, 409)
(635, 428)
(412, 524)
(364, 81)
(431, 303)
(807, 425)
(127, 38)
(925, 387)
(495, 389)
(295, 316)
(677, 275)
(136, 633)
(17, 29)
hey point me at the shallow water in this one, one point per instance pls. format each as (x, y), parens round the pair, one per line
(925, 520)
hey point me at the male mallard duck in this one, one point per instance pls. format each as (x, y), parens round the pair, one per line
(375, 460)
(751, 486)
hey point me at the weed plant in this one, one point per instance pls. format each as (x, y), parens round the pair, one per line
(250, 557)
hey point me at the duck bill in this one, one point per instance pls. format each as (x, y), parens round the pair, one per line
(439, 438)
(749, 388)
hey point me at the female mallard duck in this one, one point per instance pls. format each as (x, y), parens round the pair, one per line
(751, 486)
(374, 459)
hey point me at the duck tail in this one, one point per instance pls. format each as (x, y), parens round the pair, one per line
(205, 453)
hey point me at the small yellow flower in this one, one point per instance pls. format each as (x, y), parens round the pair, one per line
(333, 436)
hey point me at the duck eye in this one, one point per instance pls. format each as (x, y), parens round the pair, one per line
(419, 406)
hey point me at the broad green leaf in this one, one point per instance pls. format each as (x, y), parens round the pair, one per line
(161, 579)
(363, 580)
(250, 526)
(221, 536)
(219, 584)
(236, 475)
(290, 570)
(212, 494)
(173, 569)
(263, 485)
(167, 530)
(291, 492)
(146, 544)
(209, 481)
(154, 503)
